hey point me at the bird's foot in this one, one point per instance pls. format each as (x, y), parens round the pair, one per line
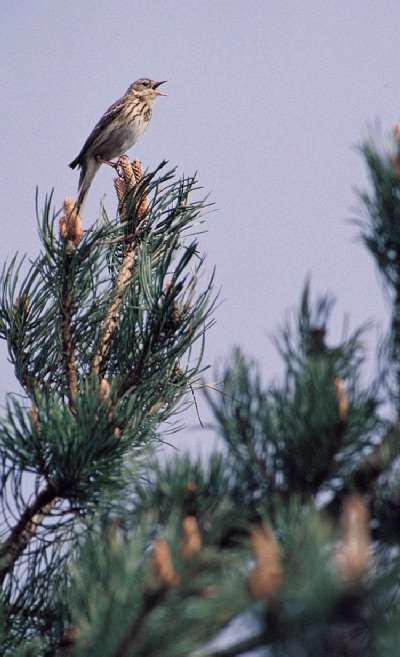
(114, 165)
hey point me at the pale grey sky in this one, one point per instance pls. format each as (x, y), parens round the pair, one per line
(266, 100)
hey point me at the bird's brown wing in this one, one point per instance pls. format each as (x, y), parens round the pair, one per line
(108, 117)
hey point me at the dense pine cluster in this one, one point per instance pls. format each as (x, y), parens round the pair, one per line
(286, 543)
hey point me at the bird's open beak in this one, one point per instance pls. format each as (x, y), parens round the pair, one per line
(157, 84)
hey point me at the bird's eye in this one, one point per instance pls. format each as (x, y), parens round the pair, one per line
(145, 83)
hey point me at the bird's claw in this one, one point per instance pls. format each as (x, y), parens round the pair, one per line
(114, 165)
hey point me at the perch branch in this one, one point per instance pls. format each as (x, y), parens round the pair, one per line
(26, 528)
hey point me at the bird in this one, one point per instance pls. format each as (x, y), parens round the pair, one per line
(116, 132)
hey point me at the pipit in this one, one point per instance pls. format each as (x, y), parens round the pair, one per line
(118, 130)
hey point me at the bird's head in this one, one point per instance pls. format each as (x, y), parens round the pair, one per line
(147, 89)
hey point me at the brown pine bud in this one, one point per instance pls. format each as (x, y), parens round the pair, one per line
(144, 203)
(130, 173)
(69, 205)
(354, 550)
(70, 223)
(192, 542)
(33, 412)
(23, 303)
(120, 188)
(155, 408)
(137, 170)
(396, 158)
(162, 563)
(127, 171)
(266, 577)
(105, 389)
(342, 399)
(63, 227)
(143, 207)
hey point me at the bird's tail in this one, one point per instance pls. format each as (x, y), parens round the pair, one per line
(89, 169)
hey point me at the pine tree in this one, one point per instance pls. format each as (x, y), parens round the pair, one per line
(284, 543)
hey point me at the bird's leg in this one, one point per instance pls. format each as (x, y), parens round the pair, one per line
(114, 165)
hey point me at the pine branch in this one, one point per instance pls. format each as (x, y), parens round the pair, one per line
(26, 528)
(136, 333)
(110, 323)
(150, 601)
(370, 469)
(131, 175)
(67, 337)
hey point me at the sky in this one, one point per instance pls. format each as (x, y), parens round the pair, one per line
(267, 101)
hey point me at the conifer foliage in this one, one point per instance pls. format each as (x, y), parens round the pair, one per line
(102, 329)
(285, 543)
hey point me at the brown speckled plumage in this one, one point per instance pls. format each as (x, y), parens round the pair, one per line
(118, 130)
